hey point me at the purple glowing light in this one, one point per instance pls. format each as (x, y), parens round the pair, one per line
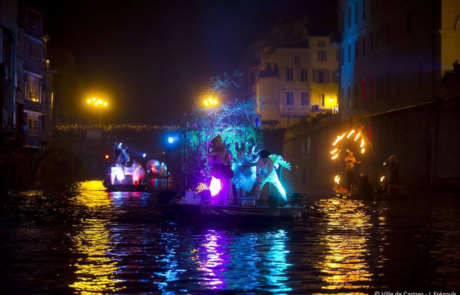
(215, 187)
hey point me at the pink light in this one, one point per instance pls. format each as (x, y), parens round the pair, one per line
(215, 187)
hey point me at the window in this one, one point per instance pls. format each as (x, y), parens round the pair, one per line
(321, 77)
(290, 98)
(33, 88)
(33, 50)
(371, 90)
(356, 49)
(364, 45)
(349, 53)
(356, 12)
(355, 95)
(297, 59)
(342, 20)
(372, 43)
(322, 55)
(349, 16)
(364, 9)
(363, 92)
(322, 99)
(349, 98)
(305, 98)
(321, 44)
(289, 74)
(343, 56)
(303, 75)
(342, 101)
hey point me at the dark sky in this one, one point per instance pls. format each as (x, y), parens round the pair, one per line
(146, 53)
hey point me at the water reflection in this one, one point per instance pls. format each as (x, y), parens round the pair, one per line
(212, 260)
(95, 270)
(276, 261)
(347, 226)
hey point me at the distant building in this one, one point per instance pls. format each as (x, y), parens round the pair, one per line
(397, 85)
(8, 33)
(292, 74)
(34, 94)
(67, 88)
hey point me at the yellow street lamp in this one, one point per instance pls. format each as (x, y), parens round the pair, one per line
(210, 102)
(98, 103)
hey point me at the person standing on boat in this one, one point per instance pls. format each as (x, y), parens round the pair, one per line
(221, 171)
(350, 162)
(265, 171)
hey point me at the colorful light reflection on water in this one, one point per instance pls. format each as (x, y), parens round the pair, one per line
(85, 240)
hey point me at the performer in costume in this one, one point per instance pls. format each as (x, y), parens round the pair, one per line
(265, 171)
(221, 171)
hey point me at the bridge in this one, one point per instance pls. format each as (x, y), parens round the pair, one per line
(80, 152)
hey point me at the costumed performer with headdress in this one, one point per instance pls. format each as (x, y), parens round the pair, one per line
(221, 173)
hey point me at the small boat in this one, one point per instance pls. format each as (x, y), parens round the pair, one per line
(231, 212)
(125, 187)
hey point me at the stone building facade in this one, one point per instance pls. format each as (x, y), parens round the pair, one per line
(398, 88)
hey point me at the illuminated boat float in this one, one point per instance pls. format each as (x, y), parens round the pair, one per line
(231, 212)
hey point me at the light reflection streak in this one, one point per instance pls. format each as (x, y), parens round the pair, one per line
(95, 270)
(347, 233)
(211, 261)
(169, 262)
(276, 257)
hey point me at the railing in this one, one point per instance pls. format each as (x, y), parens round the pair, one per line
(294, 109)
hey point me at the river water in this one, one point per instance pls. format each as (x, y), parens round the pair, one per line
(81, 239)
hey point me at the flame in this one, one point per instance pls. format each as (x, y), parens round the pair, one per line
(351, 132)
(357, 136)
(362, 143)
(363, 150)
(333, 152)
(337, 179)
(335, 157)
(382, 178)
(339, 138)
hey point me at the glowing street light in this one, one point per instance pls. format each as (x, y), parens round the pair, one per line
(210, 102)
(98, 103)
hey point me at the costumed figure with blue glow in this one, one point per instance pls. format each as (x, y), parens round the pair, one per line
(221, 173)
(244, 168)
(266, 172)
(124, 166)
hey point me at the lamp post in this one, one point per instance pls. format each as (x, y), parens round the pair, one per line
(99, 104)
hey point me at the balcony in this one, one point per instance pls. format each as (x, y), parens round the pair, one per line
(294, 110)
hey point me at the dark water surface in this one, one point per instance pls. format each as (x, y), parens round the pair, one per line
(82, 239)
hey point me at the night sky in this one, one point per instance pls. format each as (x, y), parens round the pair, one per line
(148, 55)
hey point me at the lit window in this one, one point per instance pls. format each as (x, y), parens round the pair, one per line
(33, 88)
(322, 98)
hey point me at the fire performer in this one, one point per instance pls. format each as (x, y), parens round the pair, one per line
(350, 162)
(221, 173)
(265, 171)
